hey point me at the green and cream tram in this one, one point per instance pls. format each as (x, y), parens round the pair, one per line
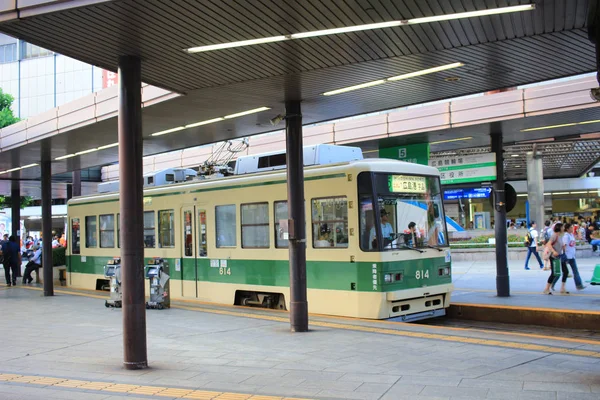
(225, 239)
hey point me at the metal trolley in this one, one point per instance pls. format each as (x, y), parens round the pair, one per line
(112, 270)
(156, 271)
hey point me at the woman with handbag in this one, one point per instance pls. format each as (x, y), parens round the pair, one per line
(558, 262)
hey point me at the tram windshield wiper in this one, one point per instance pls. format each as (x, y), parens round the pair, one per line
(412, 248)
(434, 247)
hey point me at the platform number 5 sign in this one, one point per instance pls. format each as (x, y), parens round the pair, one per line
(402, 152)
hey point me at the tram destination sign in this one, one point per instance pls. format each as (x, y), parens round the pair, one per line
(407, 184)
(466, 168)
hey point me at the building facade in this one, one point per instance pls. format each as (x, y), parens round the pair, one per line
(40, 80)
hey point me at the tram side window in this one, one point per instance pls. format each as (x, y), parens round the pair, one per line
(91, 238)
(255, 225)
(149, 226)
(368, 236)
(188, 248)
(202, 234)
(166, 228)
(107, 230)
(281, 232)
(226, 225)
(75, 236)
(330, 222)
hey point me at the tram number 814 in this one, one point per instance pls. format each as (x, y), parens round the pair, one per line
(224, 271)
(422, 274)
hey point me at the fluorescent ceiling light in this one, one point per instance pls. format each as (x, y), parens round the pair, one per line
(548, 127)
(471, 14)
(63, 157)
(522, 195)
(179, 128)
(86, 151)
(395, 78)
(559, 193)
(514, 155)
(208, 121)
(452, 140)
(517, 166)
(425, 71)
(355, 28)
(594, 121)
(583, 192)
(240, 114)
(29, 166)
(538, 140)
(108, 146)
(346, 29)
(10, 170)
(355, 87)
(241, 43)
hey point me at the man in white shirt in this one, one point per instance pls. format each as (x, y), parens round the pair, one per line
(33, 265)
(386, 231)
(532, 248)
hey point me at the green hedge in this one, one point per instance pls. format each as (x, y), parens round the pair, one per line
(482, 242)
(59, 256)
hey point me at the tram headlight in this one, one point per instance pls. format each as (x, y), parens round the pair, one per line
(395, 277)
(444, 271)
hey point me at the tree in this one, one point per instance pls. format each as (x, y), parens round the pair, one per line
(6, 201)
(6, 115)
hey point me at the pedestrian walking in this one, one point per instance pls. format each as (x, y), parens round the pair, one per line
(531, 241)
(570, 250)
(12, 261)
(4, 265)
(544, 239)
(555, 248)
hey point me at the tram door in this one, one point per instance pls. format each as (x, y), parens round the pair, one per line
(189, 281)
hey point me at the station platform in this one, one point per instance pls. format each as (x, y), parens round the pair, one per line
(474, 296)
(70, 347)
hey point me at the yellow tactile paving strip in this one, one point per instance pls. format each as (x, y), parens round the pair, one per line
(135, 389)
(398, 332)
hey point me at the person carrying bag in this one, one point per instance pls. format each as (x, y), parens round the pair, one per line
(555, 249)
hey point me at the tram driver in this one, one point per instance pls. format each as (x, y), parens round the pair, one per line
(387, 231)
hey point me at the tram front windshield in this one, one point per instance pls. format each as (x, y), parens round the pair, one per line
(409, 209)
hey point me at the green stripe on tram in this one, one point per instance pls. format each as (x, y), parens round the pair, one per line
(331, 275)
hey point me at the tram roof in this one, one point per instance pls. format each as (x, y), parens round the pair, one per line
(237, 181)
(498, 51)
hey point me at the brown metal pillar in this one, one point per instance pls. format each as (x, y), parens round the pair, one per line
(502, 279)
(47, 221)
(297, 237)
(132, 208)
(76, 187)
(15, 198)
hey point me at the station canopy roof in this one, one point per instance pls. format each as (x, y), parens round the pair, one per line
(290, 57)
